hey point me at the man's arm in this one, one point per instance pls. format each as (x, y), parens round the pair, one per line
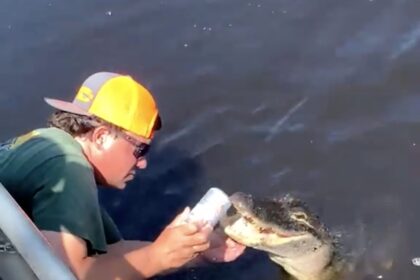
(178, 244)
(222, 249)
(124, 246)
(138, 264)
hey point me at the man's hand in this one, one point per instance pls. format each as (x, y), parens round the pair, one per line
(178, 243)
(222, 248)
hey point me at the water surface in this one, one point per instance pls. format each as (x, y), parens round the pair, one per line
(315, 98)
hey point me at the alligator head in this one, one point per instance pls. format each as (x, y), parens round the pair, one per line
(285, 228)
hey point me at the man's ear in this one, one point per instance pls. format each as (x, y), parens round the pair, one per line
(102, 137)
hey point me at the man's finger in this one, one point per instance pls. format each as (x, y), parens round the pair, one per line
(201, 248)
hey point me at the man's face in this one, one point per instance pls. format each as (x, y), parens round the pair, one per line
(117, 160)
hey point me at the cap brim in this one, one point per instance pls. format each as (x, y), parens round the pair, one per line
(66, 106)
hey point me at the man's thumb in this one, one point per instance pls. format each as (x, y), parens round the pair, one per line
(180, 218)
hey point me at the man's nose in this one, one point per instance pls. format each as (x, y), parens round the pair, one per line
(141, 163)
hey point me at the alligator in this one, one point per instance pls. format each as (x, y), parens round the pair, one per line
(289, 232)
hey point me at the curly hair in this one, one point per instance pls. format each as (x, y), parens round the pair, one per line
(77, 125)
(74, 124)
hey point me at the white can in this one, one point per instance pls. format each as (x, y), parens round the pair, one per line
(210, 208)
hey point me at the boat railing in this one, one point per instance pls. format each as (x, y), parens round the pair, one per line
(28, 242)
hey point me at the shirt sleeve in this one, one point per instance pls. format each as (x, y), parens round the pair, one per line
(66, 200)
(112, 233)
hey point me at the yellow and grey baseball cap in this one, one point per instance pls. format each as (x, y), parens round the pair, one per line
(117, 99)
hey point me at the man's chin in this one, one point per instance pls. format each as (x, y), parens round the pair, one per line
(123, 183)
(118, 186)
(121, 186)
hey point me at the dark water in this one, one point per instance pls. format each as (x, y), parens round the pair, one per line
(320, 99)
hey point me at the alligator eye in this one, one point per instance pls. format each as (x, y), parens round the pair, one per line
(299, 216)
(231, 211)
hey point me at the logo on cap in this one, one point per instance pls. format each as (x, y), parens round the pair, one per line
(85, 95)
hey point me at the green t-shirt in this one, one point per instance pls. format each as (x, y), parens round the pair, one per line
(49, 177)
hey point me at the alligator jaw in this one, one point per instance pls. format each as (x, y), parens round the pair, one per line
(285, 229)
(244, 230)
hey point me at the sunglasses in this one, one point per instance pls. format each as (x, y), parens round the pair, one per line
(141, 149)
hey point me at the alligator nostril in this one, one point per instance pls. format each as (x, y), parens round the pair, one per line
(231, 211)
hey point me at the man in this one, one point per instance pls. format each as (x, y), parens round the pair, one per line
(99, 138)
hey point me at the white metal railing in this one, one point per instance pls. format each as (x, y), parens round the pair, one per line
(29, 242)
